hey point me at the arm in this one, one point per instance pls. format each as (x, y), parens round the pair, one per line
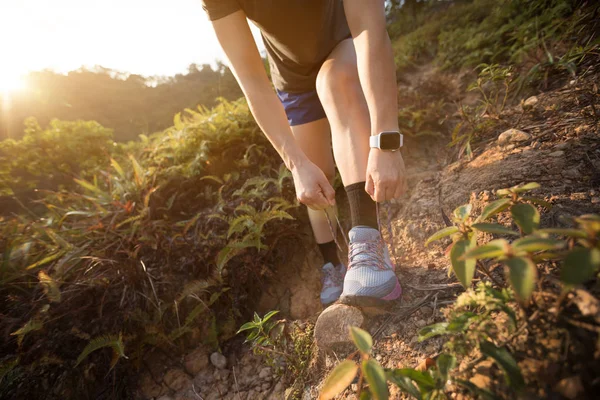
(233, 33)
(375, 60)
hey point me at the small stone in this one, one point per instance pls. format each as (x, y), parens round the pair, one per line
(571, 173)
(420, 323)
(196, 361)
(426, 311)
(218, 360)
(558, 153)
(480, 380)
(414, 340)
(222, 374)
(177, 379)
(266, 386)
(265, 373)
(571, 387)
(332, 327)
(530, 103)
(378, 357)
(512, 136)
(562, 146)
(595, 200)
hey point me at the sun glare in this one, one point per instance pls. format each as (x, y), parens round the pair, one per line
(10, 83)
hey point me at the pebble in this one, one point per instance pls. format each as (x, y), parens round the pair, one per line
(558, 153)
(530, 102)
(218, 360)
(512, 136)
(426, 311)
(420, 323)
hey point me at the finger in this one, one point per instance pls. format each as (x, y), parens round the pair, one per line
(379, 195)
(400, 189)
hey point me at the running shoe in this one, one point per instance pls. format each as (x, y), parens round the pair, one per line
(332, 280)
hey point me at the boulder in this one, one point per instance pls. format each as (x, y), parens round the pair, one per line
(512, 136)
(332, 327)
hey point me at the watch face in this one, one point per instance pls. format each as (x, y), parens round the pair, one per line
(389, 141)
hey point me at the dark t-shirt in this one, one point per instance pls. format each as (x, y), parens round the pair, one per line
(298, 35)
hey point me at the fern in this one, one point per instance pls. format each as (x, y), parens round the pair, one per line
(33, 324)
(112, 341)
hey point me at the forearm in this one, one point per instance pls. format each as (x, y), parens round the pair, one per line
(270, 116)
(375, 61)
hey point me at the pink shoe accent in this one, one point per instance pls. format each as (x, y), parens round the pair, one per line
(395, 294)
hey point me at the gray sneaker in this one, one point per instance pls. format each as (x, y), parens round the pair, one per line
(332, 280)
(370, 279)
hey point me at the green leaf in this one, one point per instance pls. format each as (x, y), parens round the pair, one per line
(361, 339)
(494, 208)
(445, 363)
(568, 232)
(526, 216)
(269, 315)
(525, 188)
(476, 390)
(433, 330)
(522, 274)
(376, 378)
(463, 269)
(493, 249)
(460, 322)
(506, 362)
(423, 379)
(339, 379)
(580, 265)
(404, 383)
(442, 233)
(494, 228)
(532, 244)
(246, 326)
(462, 213)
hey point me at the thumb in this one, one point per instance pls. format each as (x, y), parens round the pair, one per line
(369, 186)
(328, 191)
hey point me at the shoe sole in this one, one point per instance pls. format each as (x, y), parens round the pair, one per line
(366, 301)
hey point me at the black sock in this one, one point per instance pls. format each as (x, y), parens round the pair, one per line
(329, 252)
(363, 209)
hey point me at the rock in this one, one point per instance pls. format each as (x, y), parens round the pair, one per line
(530, 103)
(221, 374)
(481, 381)
(562, 146)
(177, 379)
(265, 373)
(277, 392)
(570, 387)
(571, 173)
(333, 325)
(420, 323)
(196, 361)
(512, 136)
(150, 388)
(218, 360)
(557, 153)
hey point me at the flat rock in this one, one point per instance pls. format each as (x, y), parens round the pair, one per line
(332, 327)
(512, 136)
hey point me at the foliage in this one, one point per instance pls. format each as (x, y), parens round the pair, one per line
(132, 238)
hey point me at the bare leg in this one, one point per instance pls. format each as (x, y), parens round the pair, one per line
(314, 139)
(342, 97)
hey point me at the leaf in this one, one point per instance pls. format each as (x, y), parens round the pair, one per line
(91, 187)
(522, 274)
(445, 363)
(568, 232)
(33, 324)
(526, 216)
(506, 362)
(532, 244)
(476, 390)
(339, 379)
(361, 339)
(423, 379)
(405, 384)
(494, 228)
(47, 259)
(463, 269)
(580, 265)
(462, 213)
(247, 326)
(269, 315)
(50, 286)
(117, 168)
(376, 378)
(494, 208)
(138, 172)
(177, 122)
(493, 249)
(112, 341)
(526, 188)
(460, 322)
(442, 233)
(226, 254)
(433, 330)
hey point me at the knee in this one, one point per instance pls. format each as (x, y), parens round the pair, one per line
(337, 78)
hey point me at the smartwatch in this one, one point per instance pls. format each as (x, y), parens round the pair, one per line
(387, 141)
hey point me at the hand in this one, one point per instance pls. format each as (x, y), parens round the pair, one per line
(312, 187)
(386, 175)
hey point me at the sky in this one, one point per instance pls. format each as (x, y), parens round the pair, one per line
(146, 37)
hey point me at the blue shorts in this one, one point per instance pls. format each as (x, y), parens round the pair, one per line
(301, 108)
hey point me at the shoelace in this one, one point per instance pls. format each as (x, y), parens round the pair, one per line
(372, 253)
(330, 211)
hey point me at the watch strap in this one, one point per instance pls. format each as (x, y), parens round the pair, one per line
(374, 141)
